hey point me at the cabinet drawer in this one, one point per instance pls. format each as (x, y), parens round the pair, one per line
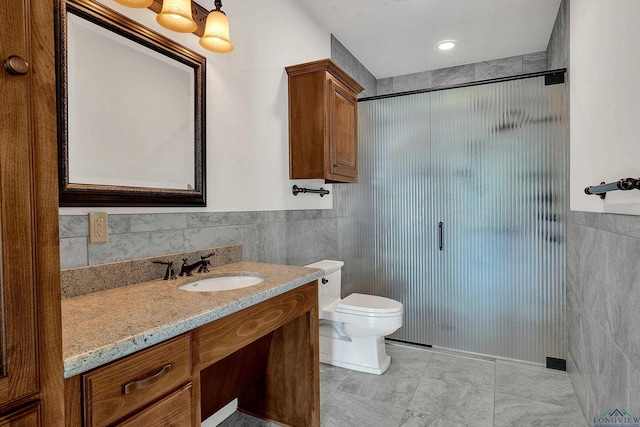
(172, 411)
(121, 387)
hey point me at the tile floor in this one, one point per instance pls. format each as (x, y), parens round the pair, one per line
(438, 389)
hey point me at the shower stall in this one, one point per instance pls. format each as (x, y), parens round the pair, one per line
(460, 215)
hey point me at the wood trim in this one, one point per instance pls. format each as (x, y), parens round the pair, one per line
(222, 337)
(28, 416)
(326, 65)
(195, 398)
(75, 194)
(47, 243)
(73, 402)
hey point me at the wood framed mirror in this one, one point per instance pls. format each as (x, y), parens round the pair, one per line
(131, 106)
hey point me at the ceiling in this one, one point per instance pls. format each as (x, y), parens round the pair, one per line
(396, 37)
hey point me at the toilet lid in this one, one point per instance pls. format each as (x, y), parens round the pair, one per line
(369, 305)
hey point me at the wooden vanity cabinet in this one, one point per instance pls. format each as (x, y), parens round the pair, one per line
(323, 122)
(266, 355)
(151, 387)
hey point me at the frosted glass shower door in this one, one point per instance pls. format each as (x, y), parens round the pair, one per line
(498, 176)
(384, 219)
(489, 162)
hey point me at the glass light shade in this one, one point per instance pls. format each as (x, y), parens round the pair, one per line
(176, 16)
(216, 33)
(138, 4)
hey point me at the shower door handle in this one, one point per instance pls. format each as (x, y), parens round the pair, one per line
(441, 236)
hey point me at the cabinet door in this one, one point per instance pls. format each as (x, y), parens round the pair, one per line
(28, 416)
(343, 133)
(18, 371)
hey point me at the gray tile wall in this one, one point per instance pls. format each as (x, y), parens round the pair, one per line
(558, 47)
(603, 300)
(281, 237)
(345, 60)
(505, 67)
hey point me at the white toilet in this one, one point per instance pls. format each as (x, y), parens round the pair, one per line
(352, 329)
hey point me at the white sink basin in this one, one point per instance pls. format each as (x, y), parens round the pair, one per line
(222, 283)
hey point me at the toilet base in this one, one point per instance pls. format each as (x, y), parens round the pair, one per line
(364, 354)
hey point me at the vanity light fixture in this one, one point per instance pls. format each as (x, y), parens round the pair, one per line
(176, 16)
(446, 44)
(216, 32)
(137, 4)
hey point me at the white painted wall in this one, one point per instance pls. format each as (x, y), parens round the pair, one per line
(605, 102)
(247, 119)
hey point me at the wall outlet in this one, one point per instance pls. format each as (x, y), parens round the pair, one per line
(98, 227)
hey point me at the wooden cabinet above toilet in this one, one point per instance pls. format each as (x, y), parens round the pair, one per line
(323, 122)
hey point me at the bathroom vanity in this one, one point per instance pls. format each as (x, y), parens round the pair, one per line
(153, 354)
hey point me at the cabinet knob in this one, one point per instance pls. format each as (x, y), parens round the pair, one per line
(335, 165)
(15, 65)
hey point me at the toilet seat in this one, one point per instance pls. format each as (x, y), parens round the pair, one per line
(362, 314)
(369, 306)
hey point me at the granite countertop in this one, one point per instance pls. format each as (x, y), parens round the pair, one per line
(104, 326)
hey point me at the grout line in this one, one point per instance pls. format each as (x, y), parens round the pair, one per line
(495, 383)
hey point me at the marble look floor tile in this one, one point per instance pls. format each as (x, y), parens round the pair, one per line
(514, 411)
(538, 368)
(417, 419)
(548, 387)
(395, 387)
(239, 419)
(405, 354)
(330, 379)
(462, 370)
(343, 410)
(455, 402)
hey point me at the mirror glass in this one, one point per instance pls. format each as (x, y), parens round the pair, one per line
(131, 115)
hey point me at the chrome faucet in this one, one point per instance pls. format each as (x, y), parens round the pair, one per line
(186, 269)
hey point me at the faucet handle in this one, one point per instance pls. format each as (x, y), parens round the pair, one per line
(170, 274)
(204, 262)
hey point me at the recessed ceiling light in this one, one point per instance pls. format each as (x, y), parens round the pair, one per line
(446, 44)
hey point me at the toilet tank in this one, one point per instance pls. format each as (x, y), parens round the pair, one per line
(329, 285)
